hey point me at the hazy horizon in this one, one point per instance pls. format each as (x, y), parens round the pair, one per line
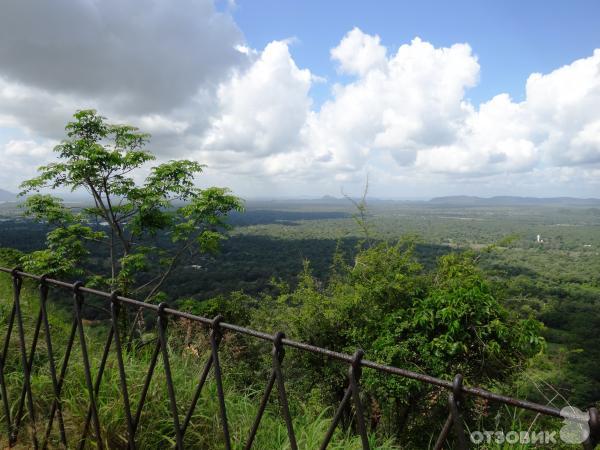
(82, 197)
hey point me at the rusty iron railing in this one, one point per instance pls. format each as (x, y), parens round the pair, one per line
(356, 362)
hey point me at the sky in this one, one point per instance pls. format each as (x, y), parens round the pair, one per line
(311, 98)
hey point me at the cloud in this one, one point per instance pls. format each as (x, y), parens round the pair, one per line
(30, 148)
(262, 110)
(564, 111)
(557, 125)
(185, 74)
(397, 106)
(494, 139)
(409, 101)
(21, 157)
(405, 114)
(157, 66)
(142, 58)
(358, 53)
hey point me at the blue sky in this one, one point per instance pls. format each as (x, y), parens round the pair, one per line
(512, 39)
(306, 98)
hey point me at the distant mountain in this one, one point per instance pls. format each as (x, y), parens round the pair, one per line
(6, 196)
(467, 200)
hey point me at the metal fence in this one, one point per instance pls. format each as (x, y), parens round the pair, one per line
(40, 429)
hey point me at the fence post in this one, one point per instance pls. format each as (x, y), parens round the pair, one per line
(455, 400)
(15, 412)
(114, 314)
(354, 372)
(3, 391)
(51, 363)
(78, 305)
(17, 285)
(24, 391)
(454, 418)
(278, 353)
(594, 423)
(215, 338)
(162, 334)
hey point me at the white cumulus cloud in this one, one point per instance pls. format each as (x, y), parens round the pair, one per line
(186, 75)
(262, 109)
(358, 52)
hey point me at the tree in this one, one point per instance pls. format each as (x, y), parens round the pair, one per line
(147, 228)
(440, 322)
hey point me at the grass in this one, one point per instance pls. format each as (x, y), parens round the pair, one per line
(156, 425)
(310, 418)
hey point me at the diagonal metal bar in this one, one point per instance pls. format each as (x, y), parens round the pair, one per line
(354, 373)
(594, 426)
(215, 338)
(3, 391)
(17, 285)
(147, 380)
(455, 403)
(114, 312)
(439, 443)
(457, 422)
(336, 418)
(261, 410)
(278, 355)
(162, 335)
(78, 303)
(276, 375)
(51, 364)
(353, 390)
(21, 404)
(88, 417)
(454, 419)
(56, 403)
(197, 392)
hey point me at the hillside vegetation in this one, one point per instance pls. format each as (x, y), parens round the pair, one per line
(440, 321)
(504, 291)
(156, 426)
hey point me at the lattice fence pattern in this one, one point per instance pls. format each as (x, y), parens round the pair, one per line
(41, 428)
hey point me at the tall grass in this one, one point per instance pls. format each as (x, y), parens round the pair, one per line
(156, 424)
(310, 417)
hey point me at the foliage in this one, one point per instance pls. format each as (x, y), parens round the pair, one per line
(437, 317)
(236, 307)
(557, 283)
(102, 159)
(156, 424)
(442, 322)
(10, 257)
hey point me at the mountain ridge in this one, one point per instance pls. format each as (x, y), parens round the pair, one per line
(6, 196)
(508, 200)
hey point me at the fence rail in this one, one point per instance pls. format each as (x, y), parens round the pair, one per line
(40, 438)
